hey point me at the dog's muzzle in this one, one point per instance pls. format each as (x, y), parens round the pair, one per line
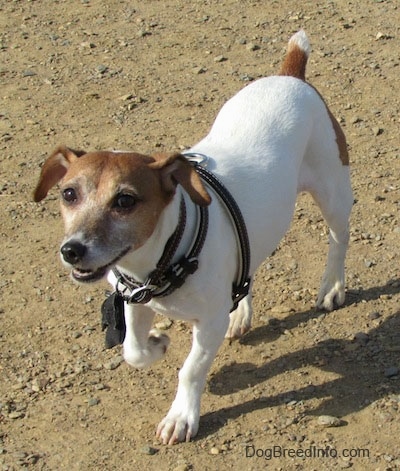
(73, 253)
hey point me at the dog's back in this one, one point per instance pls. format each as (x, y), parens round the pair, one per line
(270, 141)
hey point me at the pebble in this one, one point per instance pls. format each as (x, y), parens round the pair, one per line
(114, 363)
(220, 59)
(199, 70)
(164, 324)
(361, 337)
(391, 371)
(329, 421)
(355, 120)
(93, 401)
(101, 69)
(126, 97)
(16, 415)
(28, 73)
(215, 451)
(374, 315)
(252, 47)
(148, 450)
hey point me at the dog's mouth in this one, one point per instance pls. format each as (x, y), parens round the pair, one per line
(88, 276)
(85, 276)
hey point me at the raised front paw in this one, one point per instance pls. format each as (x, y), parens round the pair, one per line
(156, 347)
(178, 427)
(158, 341)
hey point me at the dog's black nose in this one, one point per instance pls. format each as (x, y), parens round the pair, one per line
(73, 251)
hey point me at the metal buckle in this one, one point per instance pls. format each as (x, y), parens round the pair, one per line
(197, 159)
(141, 295)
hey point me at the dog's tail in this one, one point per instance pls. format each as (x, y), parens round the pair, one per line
(295, 61)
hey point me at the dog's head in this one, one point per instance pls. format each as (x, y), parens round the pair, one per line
(111, 202)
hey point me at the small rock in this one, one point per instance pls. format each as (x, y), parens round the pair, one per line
(391, 371)
(148, 450)
(28, 73)
(164, 324)
(126, 97)
(252, 47)
(377, 131)
(101, 69)
(369, 263)
(87, 44)
(355, 120)
(246, 78)
(93, 401)
(220, 59)
(16, 415)
(199, 70)
(114, 363)
(215, 451)
(329, 421)
(374, 315)
(361, 337)
(142, 33)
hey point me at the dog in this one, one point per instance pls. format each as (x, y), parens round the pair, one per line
(272, 140)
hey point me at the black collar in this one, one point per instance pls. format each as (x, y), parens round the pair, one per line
(167, 276)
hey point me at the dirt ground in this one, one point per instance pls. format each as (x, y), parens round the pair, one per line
(150, 76)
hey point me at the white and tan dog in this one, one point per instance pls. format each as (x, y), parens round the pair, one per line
(272, 140)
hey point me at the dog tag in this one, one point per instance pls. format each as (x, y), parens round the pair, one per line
(113, 319)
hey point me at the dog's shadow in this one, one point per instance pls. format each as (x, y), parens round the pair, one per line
(360, 364)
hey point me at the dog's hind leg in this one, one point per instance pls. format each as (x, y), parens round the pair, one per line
(334, 197)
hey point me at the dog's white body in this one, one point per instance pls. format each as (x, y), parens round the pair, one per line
(272, 140)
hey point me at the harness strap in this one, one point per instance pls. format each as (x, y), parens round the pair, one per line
(240, 288)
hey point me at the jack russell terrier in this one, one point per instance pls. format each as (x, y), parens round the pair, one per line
(134, 218)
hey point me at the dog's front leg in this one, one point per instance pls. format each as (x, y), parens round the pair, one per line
(182, 420)
(142, 346)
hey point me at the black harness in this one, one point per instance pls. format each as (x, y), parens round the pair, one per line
(168, 276)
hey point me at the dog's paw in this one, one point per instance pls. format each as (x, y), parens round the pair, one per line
(157, 345)
(240, 321)
(177, 426)
(331, 297)
(158, 341)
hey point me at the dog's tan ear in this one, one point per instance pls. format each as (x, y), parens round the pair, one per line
(54, 169)
(175, 169)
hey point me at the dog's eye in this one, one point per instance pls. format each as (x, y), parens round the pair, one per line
(124, 202)
(69, 195)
